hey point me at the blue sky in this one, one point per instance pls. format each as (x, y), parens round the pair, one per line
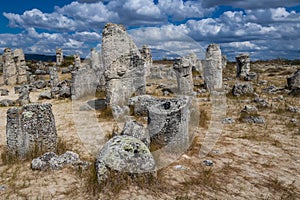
(267, 29)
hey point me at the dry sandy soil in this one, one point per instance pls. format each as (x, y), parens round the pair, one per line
(251, 161)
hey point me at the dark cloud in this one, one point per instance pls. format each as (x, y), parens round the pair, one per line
(250, 4)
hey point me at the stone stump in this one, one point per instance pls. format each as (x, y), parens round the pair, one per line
(168, 123)
(31, 128)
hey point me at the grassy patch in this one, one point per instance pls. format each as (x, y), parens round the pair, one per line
(105, 114)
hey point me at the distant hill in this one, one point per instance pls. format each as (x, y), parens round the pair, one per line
(39, 57)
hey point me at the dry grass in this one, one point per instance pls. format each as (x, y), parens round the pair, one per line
(250, 161)
(105, 115)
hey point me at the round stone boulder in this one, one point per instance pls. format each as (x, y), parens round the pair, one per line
(124, 154)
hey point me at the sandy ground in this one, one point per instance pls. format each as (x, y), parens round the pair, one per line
(250, 161)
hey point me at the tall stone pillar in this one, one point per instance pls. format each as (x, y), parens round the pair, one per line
(9, 67)
(213, 68)
(20, 63)
(123, 64)
(183, 68)
(242, 65)
(59, 56)
(77, 61)
(146, 55)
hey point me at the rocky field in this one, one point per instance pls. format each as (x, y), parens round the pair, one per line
(256, 159)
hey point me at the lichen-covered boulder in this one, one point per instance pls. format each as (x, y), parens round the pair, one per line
(242, 89)
(7, 103)
(124, 154)
(250, 115)
(4, 92)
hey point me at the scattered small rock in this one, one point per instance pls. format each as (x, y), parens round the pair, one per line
(40, 72)
(179, 167)
(53, 162)
(279, 98)
(250, 76)
(4, 92)
(261, 102)
(262, 82)
(208, 163)
(228, 120)
(45, 95)
(2, 187)
(250, 115)
(294, 121)
(40, 84)
(7, 103)
(270, 89)
(242, 89)
(293, 109)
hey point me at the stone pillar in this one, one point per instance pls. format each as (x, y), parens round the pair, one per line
(95, 60)
(123, 64)
(183, 68)
(146, 55)
(53, 81)
(31, 128)
(84, 83)
(97, 66)
(9, 67)
(59, 56)
(20, 64)
(224, 61)
(24, 95)
(213, 68)
(242, 65)
(77, 61)
(168, 123)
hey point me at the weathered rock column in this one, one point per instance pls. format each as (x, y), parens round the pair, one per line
(168, 123)
(24, 95)
(14, 67)
(53, 81)
(213, 68)
(31, 128)
(183, 68)
(242, 65)
(146, 55)
(293, 82)
(20, 63)
(224, 61)
(97, 66)
(59, 56)
(77, 61)
(9, 67)
(124, 66)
